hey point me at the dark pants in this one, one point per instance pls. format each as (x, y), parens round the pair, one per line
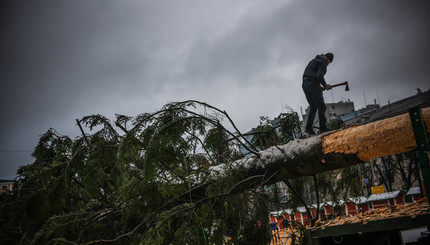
(314, 96)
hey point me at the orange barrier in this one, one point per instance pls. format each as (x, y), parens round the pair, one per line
(281, 237)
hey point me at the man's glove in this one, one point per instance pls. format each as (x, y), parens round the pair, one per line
(327, 87)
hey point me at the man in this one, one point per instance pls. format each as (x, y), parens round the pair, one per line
(313, 85)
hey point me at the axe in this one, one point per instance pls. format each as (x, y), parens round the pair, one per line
(340, 84)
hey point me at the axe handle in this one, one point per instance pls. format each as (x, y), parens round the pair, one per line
(339, 84)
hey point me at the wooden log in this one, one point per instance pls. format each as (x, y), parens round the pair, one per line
(382, 138)
(329, 151)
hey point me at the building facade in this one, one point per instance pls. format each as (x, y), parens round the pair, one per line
(6, 185)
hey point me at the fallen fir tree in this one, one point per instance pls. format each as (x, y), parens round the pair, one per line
(174, 176)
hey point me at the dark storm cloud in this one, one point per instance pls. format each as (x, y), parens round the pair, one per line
(58, 59)
(61, 60)
(375, 38)
(387, 40)
(378, 45)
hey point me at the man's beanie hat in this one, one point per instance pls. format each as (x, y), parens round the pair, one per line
(329, 56)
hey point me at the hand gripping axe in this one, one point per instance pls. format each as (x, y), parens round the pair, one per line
(340, 84)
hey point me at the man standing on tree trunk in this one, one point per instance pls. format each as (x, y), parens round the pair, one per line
(313, 86)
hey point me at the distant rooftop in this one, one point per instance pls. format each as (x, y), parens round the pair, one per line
(280, 212)
(330, 203)
(402, 106)
(5, 181)
(358, 200)
(414, 191)
(383, 196)
(374, 112)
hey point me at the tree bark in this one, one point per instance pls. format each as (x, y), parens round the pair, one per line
(329, 151)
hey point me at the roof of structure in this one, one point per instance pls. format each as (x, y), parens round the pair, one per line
(374, 112)
(5, 181)
(414, 191)
(402, 106)
(358, 200)
(280, 212)
(383, 196)
(330, 203)
(315, 205)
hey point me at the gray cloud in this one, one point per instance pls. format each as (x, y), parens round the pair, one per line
(61, 60)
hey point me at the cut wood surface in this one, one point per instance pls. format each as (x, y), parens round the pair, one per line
(381, 138)
(329, 151)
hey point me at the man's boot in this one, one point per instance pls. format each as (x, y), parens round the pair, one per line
(323, 130)
(310, 131)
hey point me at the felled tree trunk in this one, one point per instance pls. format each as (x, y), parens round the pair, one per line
(329, 151)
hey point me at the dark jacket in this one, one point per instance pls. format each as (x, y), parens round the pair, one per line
(315, 71)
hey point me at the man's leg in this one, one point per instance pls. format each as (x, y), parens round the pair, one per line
(319, 101)
(312, 110)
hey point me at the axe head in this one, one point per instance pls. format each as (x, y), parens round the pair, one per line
(346, 86)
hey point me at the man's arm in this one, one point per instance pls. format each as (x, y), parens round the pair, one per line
(322, 69)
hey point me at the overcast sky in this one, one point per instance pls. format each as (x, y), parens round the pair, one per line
(62, 60)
